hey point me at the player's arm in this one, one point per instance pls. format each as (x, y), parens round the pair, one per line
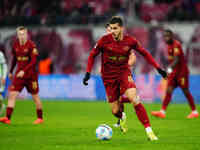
(132, 59)
(177, 53)
(95, 51)
(149, 58)
(176, 59)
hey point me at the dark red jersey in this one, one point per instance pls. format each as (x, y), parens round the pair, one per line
(175, 49)
(115, 55)
(25, 56)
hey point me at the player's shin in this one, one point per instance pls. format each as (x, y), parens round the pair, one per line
(166, 101)
(143, 117)
(117, 113)
(9, 111)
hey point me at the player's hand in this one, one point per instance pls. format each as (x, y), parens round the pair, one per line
(163, 73)
(20, 74)
(10, 76)
(169, 70)
(86, 78)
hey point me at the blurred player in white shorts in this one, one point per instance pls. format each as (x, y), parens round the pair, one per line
(3, 75)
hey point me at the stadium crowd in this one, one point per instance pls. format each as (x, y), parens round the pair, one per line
(51, 12)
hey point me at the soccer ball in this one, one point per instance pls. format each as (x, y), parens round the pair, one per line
(104, 132)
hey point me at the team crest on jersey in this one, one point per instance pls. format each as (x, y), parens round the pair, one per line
(35, 51)
(176, 50)
(126, 48)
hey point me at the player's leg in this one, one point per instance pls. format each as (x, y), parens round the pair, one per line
(119, 114)
(113, 94)
(166, 101)
(183, 82)
(33, 88)
(10, 107)
(39, 110)
(140, 112)
(2, 105)
(188, 95)
(128, 88)
(123, 99)
(171, 85)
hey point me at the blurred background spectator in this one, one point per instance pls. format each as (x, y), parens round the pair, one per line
(66, 30)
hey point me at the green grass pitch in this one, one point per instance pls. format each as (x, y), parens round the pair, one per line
(71, 126)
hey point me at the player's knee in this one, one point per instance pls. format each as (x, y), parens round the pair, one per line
(12, 96)
(136, 100)
(115, 111)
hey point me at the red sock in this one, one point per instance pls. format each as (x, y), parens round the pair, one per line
(39, 113)
(118, 115)
(121, 107)
(142, 115)
(190, 100)
(166, 101)
(9, 111)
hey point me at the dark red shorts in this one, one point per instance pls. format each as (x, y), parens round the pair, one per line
(181, 80)
(117, 86)
(31, 84)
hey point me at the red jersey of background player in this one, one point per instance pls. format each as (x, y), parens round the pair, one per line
(175, 49)
(115, 55)
(25, 57)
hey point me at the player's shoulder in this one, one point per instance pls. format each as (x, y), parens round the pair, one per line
(105, 38)
(129, 37)
(31, 42)
(15, 42)
(177, 43)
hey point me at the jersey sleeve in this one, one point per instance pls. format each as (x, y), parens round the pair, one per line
(33, 48)
(138, 47)
(95, 51)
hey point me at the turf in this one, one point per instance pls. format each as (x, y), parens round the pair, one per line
(71, 126)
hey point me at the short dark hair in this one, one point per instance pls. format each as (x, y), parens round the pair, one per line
(116, 19)
(169, 31)
(107, 25)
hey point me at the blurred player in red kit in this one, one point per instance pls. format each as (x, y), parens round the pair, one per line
(123, 99)
(178, 75)
(116, 74)
(25, 56)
